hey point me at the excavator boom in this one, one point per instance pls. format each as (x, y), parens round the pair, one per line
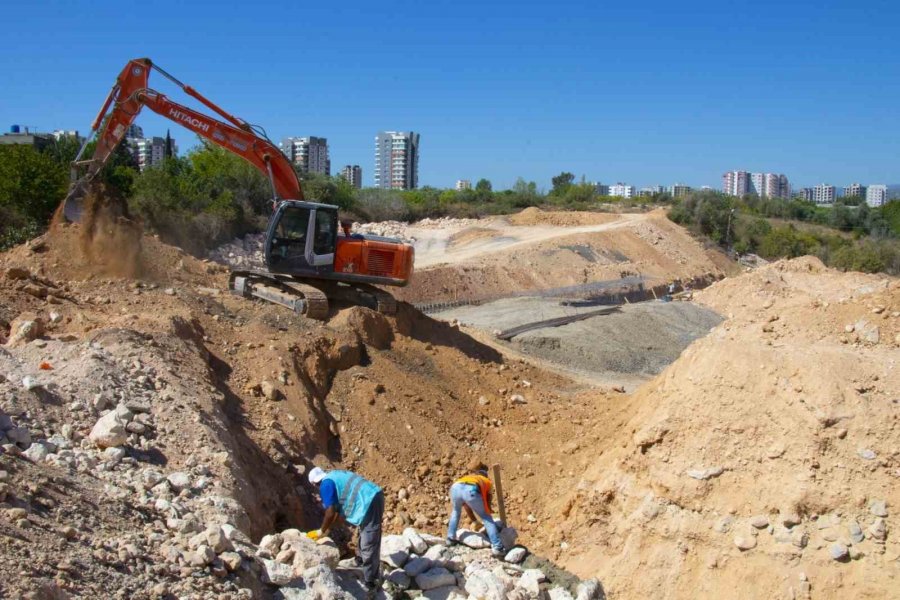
(131, 93)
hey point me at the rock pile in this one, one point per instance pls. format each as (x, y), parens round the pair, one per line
(414, 565)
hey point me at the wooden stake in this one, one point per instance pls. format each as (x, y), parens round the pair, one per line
(498, 486)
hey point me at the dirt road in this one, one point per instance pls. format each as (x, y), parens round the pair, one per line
(447, 246)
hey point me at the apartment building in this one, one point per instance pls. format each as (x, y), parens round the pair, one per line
(397, 160)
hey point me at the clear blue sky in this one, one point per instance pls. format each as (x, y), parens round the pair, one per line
(641, 92)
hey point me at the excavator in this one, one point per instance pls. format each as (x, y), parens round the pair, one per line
(310, 257)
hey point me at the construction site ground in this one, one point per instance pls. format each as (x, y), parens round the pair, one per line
(763, 462)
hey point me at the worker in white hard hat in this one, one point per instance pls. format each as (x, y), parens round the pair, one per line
(361, 503)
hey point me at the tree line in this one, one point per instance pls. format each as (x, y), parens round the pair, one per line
(209, 196)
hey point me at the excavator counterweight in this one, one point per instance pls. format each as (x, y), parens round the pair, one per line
(309, 258)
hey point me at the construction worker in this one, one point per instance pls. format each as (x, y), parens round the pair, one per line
(361, 503)
(473, 493)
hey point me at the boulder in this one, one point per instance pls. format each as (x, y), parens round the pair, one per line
(530, 582)
(395, 550)
(24, 329)
(486, 585)
(308, 554)
(473, 540)
(435, 577)
(516, 555)
(416, 565)
(416, 542)
(399, 578)
(276, 573)
(589, 589)
(109, 431)
(270, 545)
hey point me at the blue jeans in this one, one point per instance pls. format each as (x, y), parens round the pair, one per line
(464, 493)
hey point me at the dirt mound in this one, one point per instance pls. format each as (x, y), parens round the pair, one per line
(648, 245)
(467, 236)
(536, 216)
(766, 450)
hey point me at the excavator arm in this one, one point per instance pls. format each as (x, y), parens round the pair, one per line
(130, 94)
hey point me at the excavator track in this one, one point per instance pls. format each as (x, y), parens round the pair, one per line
(309, 297)
(301, 298)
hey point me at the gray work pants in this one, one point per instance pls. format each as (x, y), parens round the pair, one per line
(370, 540)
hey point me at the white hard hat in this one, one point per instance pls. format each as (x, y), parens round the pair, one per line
(316, 475)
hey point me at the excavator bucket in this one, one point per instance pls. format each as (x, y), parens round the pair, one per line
(73, 205)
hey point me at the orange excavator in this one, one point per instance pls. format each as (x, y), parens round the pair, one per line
(309, 258)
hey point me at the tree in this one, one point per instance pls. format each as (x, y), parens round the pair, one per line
(561, 183)
(31, 183)
(483, 185)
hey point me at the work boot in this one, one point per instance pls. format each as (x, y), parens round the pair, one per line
(498, 553)
(371, 590)
(451, 542)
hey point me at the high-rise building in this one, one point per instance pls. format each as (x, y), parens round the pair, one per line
(806, 194)
(353, 174)
(621, 190)
(463, 184)
(397, 160)
(823, 194)
(855, 190)
(149, 152)
(876, 195)
(736, 183)
(757, 184)
(310, 154)
(777, 186)
(764, 185)
(134, 132)
(602, 190)
(679, 189)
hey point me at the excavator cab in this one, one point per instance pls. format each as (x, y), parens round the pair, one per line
(301, 238)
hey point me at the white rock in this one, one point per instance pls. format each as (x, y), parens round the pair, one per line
(559, 593)
(472, 539)
(589, 589)
(395, 550)
(308, 554)
(449, 592)
(109, 431)
(276, 573)
(179, 480)
(516, 555)
(878, 508)
(416, 542)
(37, 452)
(270, 544)
(435, 577)
(704, 474)
(485, 585)
(113, 456)
(530, 582)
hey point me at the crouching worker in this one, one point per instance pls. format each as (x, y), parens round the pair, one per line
(473, 493)
(361, 503)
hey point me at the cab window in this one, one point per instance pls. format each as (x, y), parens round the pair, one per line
(326, 230)
(293, 224)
